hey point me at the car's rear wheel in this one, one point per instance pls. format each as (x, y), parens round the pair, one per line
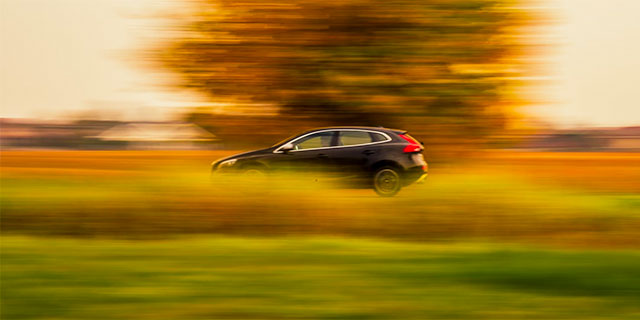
(386, 181)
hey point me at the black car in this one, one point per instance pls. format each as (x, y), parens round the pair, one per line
(385, 159)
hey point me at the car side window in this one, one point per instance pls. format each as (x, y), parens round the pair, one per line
(377, 137)
(316, 140)
(351, 138)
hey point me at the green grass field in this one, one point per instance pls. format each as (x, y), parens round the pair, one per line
(147, 235)
(311, 278)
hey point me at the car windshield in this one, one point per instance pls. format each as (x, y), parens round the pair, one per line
(285, 140)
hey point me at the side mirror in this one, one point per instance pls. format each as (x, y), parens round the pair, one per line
(287, 147)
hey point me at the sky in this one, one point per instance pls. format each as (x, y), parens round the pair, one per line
(60, 58)
(595, 64)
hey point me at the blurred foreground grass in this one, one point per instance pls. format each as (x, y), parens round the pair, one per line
(583, 199)
(135, 235)
(311, 278)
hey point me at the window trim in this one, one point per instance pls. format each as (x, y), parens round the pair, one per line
(388, 138)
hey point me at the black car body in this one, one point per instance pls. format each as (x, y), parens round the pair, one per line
(386, 159)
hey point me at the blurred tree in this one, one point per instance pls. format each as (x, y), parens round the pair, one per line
(378, 62)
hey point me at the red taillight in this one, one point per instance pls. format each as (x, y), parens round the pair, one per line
(414, 146)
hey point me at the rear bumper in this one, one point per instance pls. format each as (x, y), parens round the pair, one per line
(415, 175)
(422, 178)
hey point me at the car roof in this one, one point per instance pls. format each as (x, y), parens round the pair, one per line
(360, 128)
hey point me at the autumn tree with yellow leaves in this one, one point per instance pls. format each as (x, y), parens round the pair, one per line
(443, 67)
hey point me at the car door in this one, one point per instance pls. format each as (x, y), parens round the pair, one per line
(311, 153)
(358, 149)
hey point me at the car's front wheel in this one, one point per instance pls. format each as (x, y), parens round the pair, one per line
(254, 173)
(254, 179)
(386, 181)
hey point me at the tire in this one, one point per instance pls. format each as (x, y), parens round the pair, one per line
(255, 180)
(386, 181)
(254, 172)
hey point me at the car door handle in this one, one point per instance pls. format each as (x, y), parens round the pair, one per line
(368, 152)
(322, 156)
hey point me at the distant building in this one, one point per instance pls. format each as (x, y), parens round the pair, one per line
(158, 135)
(20, 133)
(591, 139)
(623, 138)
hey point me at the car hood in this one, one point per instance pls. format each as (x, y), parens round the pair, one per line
(247, 154)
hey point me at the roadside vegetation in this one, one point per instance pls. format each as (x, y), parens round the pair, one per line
(125, 234)
(159, 194)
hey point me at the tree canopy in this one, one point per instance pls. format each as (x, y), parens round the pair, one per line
(355, 61)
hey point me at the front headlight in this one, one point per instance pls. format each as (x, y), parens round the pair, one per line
(227, 163)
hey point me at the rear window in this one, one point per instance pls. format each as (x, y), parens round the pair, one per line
(351, 138)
